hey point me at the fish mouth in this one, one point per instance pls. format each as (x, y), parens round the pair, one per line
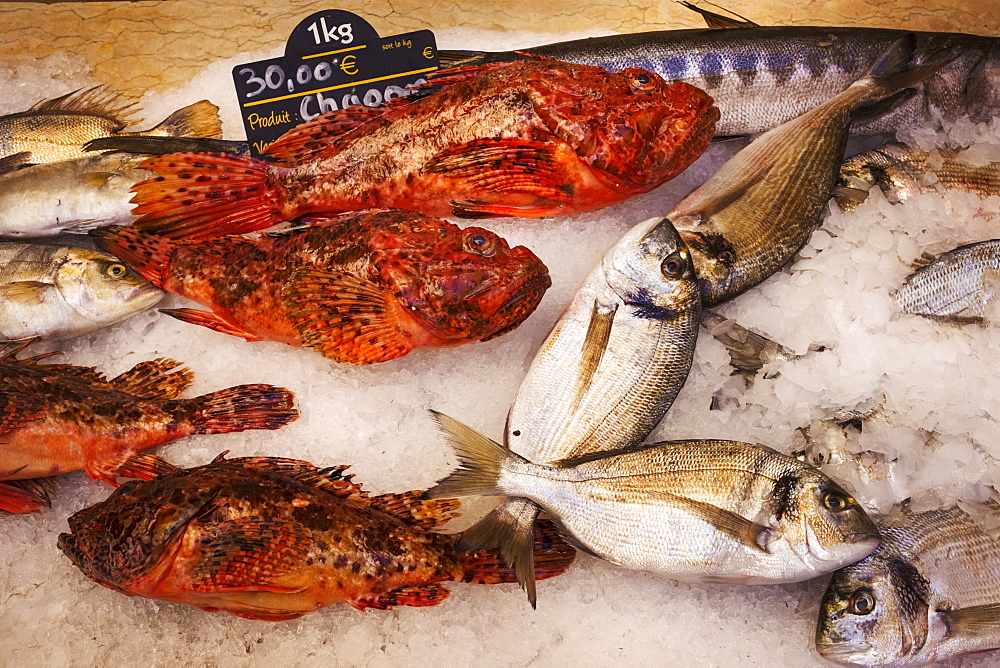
(518, 301)
(844, 652)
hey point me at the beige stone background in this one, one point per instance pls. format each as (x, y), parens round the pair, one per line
(153, 45)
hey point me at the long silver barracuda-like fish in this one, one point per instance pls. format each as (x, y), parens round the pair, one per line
(931, 591)
(702, 511)
(760, 207)
(618, 355)
(763, 76)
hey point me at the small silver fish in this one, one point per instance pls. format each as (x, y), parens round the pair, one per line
(618, 355)
(761, 206)
(902, 172)
(959, 285)
(703, 511)
(57, 292)
(931, 591)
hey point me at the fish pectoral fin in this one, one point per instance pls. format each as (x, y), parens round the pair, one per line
(25, 496)
(417, 596)
(977, 620)
(346, 318)
(251, 554)
(29, 292)
(154, 379)
(15, 161)
(330, 479)
(602, 318)
(210, 320)
(751, 534)
(304, 141)
(409, 507)
(509, 527)
(144, 467)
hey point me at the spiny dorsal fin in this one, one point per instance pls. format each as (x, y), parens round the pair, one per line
(96, 101)
(718, 21)
(409, 507)
(154, 379)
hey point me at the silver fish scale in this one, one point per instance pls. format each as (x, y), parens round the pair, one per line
(646, 360)
(959, 284)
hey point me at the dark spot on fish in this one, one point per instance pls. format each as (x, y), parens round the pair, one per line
(816, 64)
(356, 567)
(781, 66)
(340, 562)
(711, 69)
(745, 66)
(187, 202)
(782, 497)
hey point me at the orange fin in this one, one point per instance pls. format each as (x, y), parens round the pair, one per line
(154, 379)
(199, 196)
(307, 139)
(508, 165)
(18, 408)
(408, 506)
(330, 479)
(25, 496)
(250, 554)
(344, 318)
(96, 101)
(210, 320)
(148, 254)
(553, 556)
(457, 74)
(243, 407)
(417, 596)
(145, 467)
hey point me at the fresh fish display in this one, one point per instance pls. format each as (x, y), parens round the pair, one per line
(930, 592)
(760, 207)
(535, 138)
(58, 418)
(618, 355)
(272, 539)
(763, 76)
(705, 511)
(57, 292)
(359, 288)
(57, 129)
(902, 172)
(959, 285)
(73, 196)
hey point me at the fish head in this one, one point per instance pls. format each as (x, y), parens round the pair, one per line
(651, 268)
(101, 289)
(119, 541)
(459, 285)
(636, 129)
(889, 169)
(822, 524)
(874, 612)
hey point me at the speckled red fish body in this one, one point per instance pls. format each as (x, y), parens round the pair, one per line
(532, 138)
(273, 539)
(359, 288)
(57, 418)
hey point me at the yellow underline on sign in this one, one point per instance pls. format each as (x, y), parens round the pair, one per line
(330, 53)
(346, 85)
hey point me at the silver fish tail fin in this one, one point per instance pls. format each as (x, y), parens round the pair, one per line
(901, 67)
(510, 527)
(480, 462)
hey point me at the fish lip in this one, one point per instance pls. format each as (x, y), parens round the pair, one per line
(842, 651)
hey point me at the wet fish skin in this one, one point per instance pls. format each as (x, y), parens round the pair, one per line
(959, 285)
(584, 392)
(763, 76)
(704, 511)
(930, 592)
(273, 539)
(901, 172)
(760, 207)
(57, 129)
(58, 292)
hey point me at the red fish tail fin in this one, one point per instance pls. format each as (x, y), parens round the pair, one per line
(243, 407)
(25, 496)
(553, 556)
(147, 254)
(200, 196)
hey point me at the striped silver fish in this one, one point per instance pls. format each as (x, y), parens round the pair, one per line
(930, 592)
(959, 285)
(763, 76)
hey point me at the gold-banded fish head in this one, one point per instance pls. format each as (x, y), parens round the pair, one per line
(891, 170)
(873, 613)
(101, 289)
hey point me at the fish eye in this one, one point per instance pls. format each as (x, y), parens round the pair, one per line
(835, 502)
(641, 80)
(673, 266)
(479, 243)
(862, 602)
(116, 270)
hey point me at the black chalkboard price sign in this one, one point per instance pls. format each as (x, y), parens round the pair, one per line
(332, 60)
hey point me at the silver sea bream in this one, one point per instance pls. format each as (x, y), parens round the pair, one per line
(57, 292)
(702, 511)
(930, 592)
(959, 285)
